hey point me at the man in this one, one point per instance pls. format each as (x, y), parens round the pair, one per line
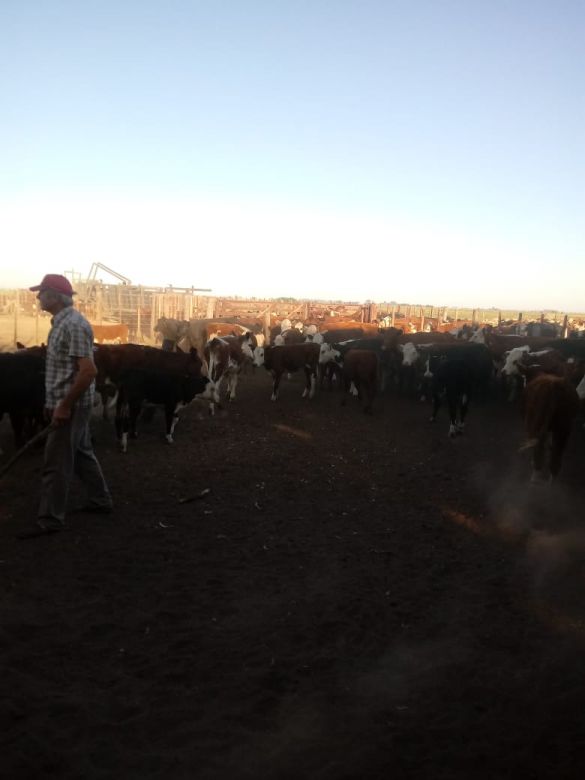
(69, 389)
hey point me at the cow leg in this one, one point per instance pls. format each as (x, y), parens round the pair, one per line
(368, 392)
(232, 385)
(538, 459)
(216, 397)
(171, 420)
(463, 406)
(347, 384)
(310, 382)
(307, 390)
(313, 383)
(102, 391)
(560, 437)
(134, 407)
(276, 377)
(436, 403)
(121, 422)
(452, 401)
(109, 393)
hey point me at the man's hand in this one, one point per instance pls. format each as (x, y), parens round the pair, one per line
(61, 414)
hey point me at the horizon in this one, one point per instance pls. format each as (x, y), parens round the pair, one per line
(369, 151)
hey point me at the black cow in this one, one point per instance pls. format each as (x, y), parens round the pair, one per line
(169, 389)
(476, 357)
(113, 360)
(453, 378)
(22, 390)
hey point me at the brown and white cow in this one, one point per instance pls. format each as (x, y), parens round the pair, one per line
(199, 332)
(290, 358)
(171, 331)
(551, 406)
(521, 365)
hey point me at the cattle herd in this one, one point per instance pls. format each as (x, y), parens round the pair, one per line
(204, 359)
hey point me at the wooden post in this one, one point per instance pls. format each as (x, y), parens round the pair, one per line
(422, 319)
(138, 318)
(16, 305)
(473, 316)
(267, 326)
(393, 314)
(565, 326)
(152, 314)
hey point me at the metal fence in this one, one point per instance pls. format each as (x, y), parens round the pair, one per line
(140, 308)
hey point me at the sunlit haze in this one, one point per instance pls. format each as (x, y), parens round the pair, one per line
(419, 152)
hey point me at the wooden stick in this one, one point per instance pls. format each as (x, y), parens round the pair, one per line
(30, 443)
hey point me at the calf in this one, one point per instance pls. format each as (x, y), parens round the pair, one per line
(290, 358)
(225, 358)
(453, 378)
(551, 405)
(170, 390)
(112, 361)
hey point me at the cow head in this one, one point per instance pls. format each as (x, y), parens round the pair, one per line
(197, 387)
(258, 357)
(511, 360)
(432, 363)
(248, 345)
(328, 354)
(409, 354)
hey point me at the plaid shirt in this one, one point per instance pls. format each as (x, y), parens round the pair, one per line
(70, 338)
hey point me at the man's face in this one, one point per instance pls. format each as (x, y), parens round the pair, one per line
(47, 300)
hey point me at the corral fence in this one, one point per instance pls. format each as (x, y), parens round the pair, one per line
(140, 308)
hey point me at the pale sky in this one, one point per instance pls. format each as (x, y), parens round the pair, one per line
(423, 152)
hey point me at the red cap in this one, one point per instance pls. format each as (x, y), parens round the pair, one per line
(54, 282)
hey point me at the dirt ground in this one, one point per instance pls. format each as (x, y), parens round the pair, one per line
(357, 597)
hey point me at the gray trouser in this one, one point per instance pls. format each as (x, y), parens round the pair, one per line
(69, 451)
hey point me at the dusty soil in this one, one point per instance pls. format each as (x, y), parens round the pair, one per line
(357, 597)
